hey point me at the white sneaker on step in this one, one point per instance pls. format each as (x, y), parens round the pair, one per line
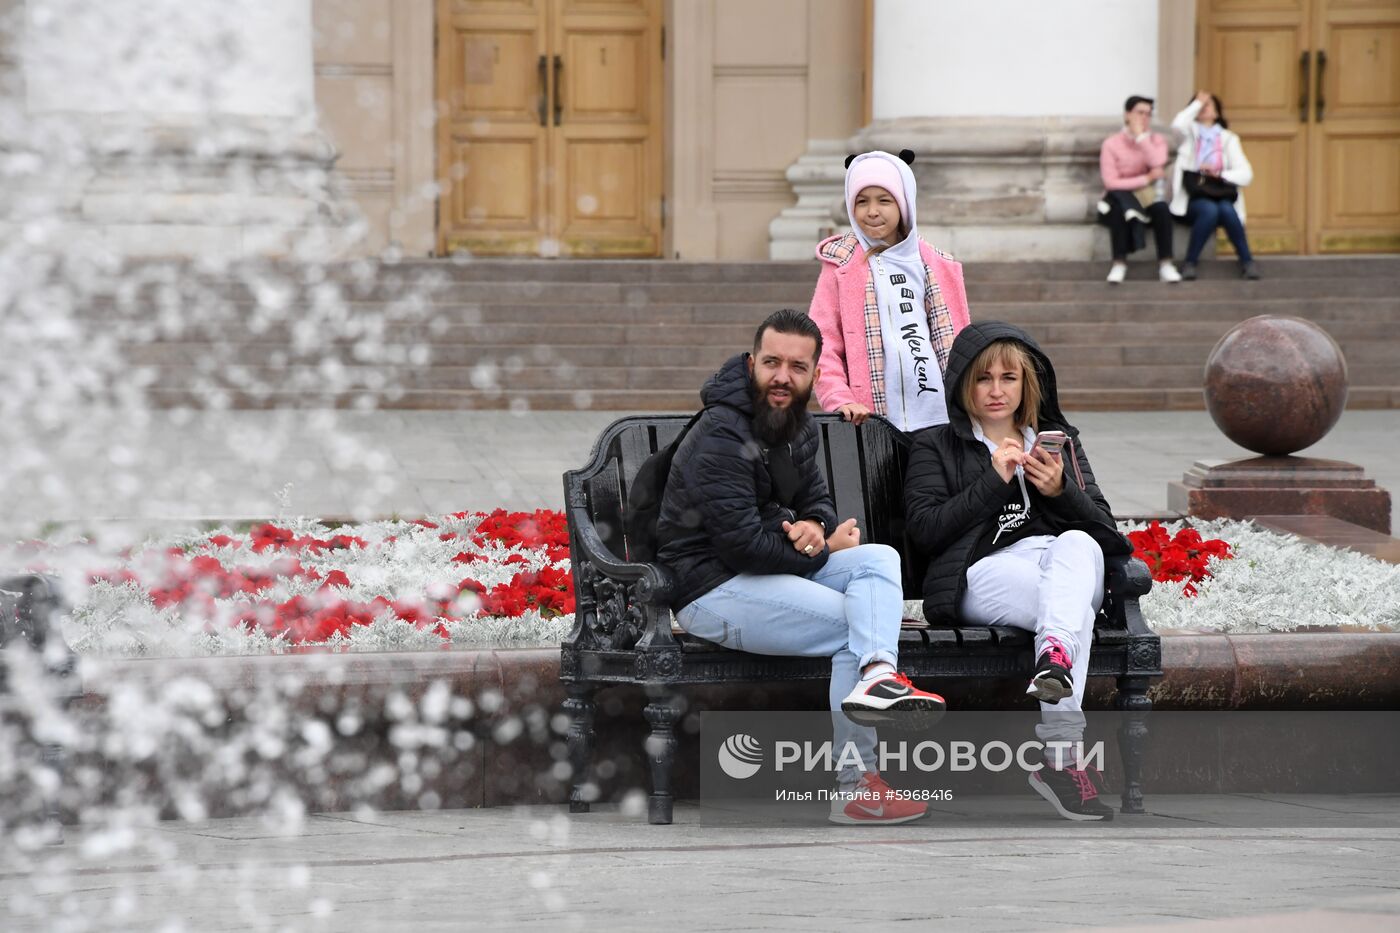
(1167, 272)
(1117, 273)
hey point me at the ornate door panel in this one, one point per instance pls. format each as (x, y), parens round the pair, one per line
(550, 138)
(1355, 164)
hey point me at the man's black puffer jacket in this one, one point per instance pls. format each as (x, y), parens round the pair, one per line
(719, 516)
(952, 492)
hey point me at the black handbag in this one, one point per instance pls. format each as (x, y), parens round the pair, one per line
(1208, 186)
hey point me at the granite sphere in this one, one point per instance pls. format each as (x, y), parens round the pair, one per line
(1275, 384)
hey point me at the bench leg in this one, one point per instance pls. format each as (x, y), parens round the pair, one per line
(53, 758)
(662, 714)
(1132, 738)
(581, 709)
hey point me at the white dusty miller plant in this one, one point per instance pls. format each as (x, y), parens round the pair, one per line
(1278, 583)
(1274, 583)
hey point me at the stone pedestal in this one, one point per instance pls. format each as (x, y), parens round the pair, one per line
(1281, 486)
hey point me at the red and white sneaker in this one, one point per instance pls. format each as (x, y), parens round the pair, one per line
(893, 700)
(874, 803)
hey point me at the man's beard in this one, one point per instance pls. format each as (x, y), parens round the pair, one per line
(777, 426)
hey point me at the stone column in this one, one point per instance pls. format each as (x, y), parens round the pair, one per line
(835, 92)
(1006, 105)
(170, 128)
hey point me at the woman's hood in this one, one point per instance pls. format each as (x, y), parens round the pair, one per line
(972, 340)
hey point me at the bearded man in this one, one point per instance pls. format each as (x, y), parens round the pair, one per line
(750, 530)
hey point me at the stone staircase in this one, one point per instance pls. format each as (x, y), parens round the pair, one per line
(628, 335)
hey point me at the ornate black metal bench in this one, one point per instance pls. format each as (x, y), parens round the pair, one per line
(29, 609)
(623, 633)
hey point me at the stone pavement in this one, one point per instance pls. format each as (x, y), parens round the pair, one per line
(538, 868)
(244, 465)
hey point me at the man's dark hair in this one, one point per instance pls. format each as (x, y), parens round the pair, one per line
(788, 321)
(1135, 100)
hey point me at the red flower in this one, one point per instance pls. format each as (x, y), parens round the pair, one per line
(1176, 559)
(336, 578)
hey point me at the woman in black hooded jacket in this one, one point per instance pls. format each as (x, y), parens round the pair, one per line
(1016, 535)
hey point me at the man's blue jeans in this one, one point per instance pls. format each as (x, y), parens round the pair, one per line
(1205, 214)
(849, 611)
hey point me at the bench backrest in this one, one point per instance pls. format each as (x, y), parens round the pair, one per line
(864, 469)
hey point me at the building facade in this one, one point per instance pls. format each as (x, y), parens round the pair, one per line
(716, 129)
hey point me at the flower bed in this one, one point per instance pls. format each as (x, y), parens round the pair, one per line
(1276, 583)
(500, 579)
(469, 578)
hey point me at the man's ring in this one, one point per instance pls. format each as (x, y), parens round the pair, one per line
(807, 549)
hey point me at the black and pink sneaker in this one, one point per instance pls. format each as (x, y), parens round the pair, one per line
(1052, 681)
(1073, 792)
(893, 700)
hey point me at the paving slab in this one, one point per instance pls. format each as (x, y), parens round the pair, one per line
(540, 868)
(246, 465)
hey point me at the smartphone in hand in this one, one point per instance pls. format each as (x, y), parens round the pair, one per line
(1052, 442)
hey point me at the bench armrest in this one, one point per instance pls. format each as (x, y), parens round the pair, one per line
(1126, 580)
(30, 605)
(617, 603)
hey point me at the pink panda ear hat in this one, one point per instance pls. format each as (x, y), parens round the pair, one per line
(870, 169)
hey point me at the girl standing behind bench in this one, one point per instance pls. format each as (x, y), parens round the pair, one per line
(887, 303)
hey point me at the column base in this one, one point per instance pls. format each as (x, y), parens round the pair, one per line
(238, 190)
(1004, 188)
(1281, 486)
(818, 179)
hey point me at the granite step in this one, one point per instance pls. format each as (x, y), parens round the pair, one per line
(645, 335)
(569, 399)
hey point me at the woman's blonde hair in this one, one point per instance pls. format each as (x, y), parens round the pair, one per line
(1010, 354)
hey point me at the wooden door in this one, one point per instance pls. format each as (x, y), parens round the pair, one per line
(1354, 168)
(493, 144)
(1313, 89)
(1250, 56)
(608, 197)
(549, 139)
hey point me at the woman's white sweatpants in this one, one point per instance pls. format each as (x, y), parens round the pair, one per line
(1051, 585)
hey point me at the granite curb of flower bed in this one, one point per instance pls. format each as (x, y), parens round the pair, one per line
(518, 751)
(1204, 671)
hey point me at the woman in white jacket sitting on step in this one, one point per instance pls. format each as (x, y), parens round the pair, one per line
(1210, 170)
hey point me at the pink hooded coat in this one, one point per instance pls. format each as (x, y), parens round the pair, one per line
(838, 308)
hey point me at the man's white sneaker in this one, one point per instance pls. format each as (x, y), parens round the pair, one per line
(892, 699)
(1167, 272)
(1118, 273)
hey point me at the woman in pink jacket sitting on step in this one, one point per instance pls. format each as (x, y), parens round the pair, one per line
(887, 303)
